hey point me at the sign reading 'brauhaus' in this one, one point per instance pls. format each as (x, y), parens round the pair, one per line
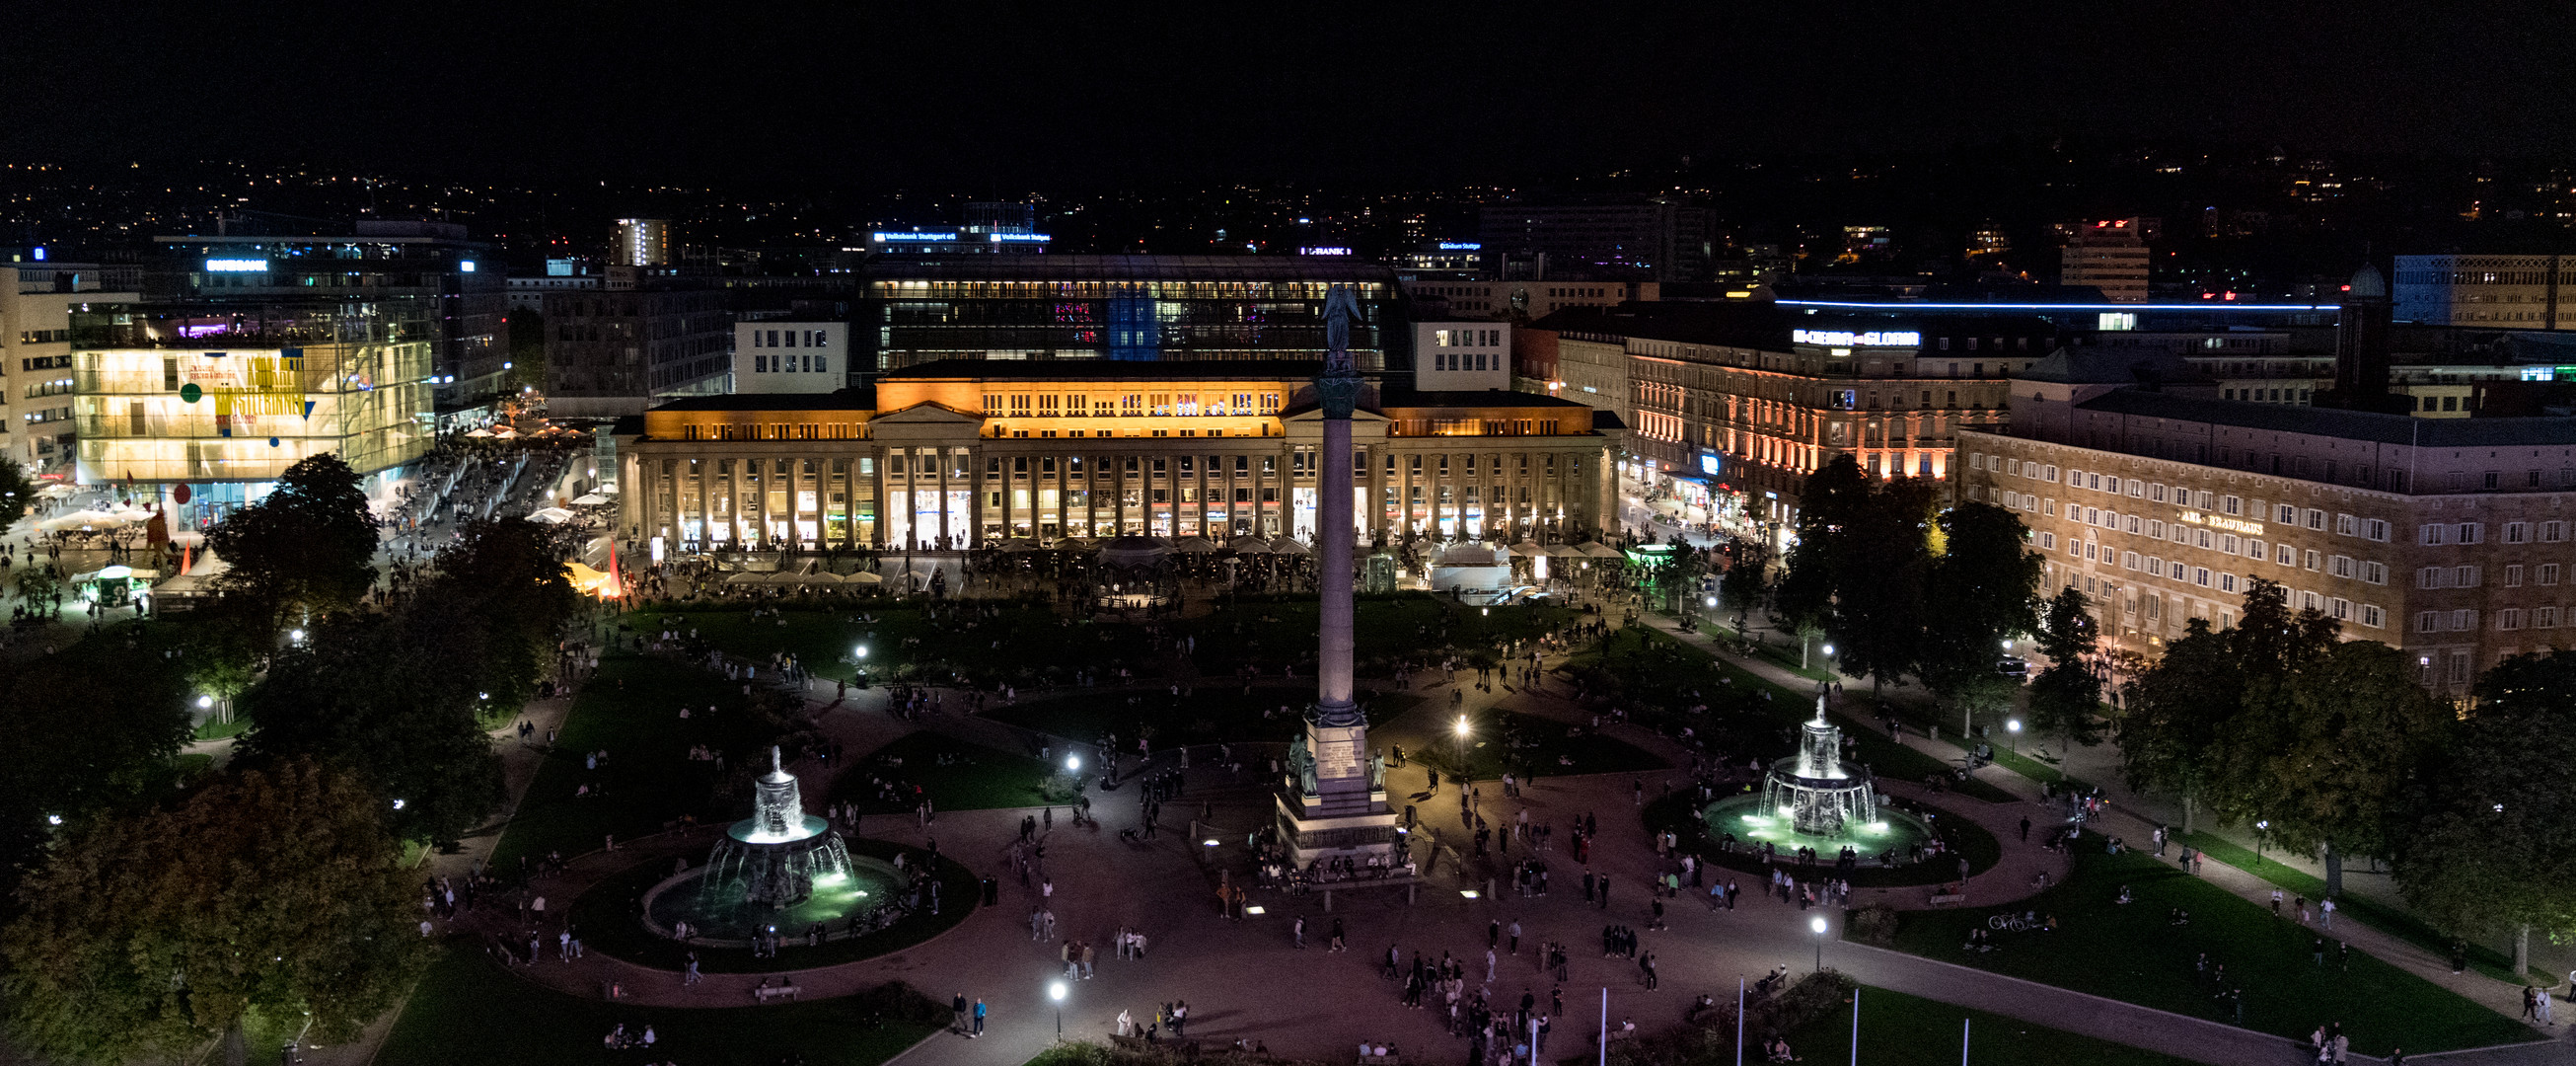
(2232, 525)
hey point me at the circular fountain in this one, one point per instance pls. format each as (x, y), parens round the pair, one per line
(1811, 800)
(780, 871)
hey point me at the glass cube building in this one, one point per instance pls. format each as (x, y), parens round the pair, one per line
(225, 397)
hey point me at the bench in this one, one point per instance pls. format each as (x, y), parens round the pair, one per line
(1949, 900)
(767, 992)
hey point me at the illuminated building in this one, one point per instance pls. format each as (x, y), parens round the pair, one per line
(1119, 307)
(2509, 291)
(225, 396)
(963, 452)
(460, 281)
(37, 297)
(2110, 256)
(614, 351)
(776, 355)
(1533, 299)
(2446, 538)
(643, 242)
(1747, 399)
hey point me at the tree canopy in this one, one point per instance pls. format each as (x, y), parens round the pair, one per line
(2494, 846)
(1982, 584)
(309, 544)
(272, 891)
(91, 727)
(16, 493)
(2067, 696)
(398, 699)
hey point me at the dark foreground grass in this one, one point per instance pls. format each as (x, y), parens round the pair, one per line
(1654, 671)
(1901, 1030)
(2377, 915)
(1207, 712)
(957, 776)
(631, 711)
(1524, 744)
(468, 1010)
(2133, 953)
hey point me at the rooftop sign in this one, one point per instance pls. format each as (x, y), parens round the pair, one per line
(1847, 339)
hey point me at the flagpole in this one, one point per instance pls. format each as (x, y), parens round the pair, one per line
(1605, 1026)
(1739, 1020)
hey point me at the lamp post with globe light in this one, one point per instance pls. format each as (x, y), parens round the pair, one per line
(1056, 992)
(1816, 925)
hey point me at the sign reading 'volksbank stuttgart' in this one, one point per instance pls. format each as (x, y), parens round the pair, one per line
(1846, 339)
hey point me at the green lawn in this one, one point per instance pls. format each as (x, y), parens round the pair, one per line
(957, 776)
(1901, 1030)
(608, 918)
(1035, 645)
(1657, 676)
(467, 1010)
(2386, 919)
(631, 711)
(2132, 953)
(1209, 712)
(1272, 631)
(218, 729)
(1525, 744)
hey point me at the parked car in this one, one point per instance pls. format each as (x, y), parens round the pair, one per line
(2013, 666)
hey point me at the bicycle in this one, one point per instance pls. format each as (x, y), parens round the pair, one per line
(2008, 923)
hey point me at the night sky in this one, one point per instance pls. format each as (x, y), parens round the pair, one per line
(1019, 95)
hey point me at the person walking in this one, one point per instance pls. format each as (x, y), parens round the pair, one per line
(957, 1013)
(1297, 931)
(979, 1019)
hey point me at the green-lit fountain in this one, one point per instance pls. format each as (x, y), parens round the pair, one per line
(1811, 800)
(780, 871)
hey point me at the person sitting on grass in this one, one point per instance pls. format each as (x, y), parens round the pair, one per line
(2125, 896)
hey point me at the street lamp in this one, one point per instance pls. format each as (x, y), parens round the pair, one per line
(1056, 992)
(1462, 745)
(2262, 828)
(2013, 727)
(1816, 925)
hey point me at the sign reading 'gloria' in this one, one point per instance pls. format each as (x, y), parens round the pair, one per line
(1843, 338)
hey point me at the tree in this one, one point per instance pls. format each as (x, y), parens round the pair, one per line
(1744, 583)
(2169, 737)
(268, 892)
(16, 493)
(2494, 846)
(508, 578)
(1981, 586)
(308, 545)
(1857, 572)
(90, 728)
(2067, 696)
(2325, 754)
(392, 701)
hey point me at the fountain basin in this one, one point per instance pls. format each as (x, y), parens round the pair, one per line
(724, 914)
(1890, 832)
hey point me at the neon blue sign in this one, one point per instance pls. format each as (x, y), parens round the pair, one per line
(1461, 246)
(1039, 238)
(237, 266)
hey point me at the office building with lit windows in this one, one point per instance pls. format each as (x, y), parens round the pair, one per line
(964, 453)
(38, 295)
(460, 282)
(1126, 308)
(2508, 291)
(2446, 538)
(224, 396)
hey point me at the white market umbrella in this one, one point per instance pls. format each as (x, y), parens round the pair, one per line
(1527, 550)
